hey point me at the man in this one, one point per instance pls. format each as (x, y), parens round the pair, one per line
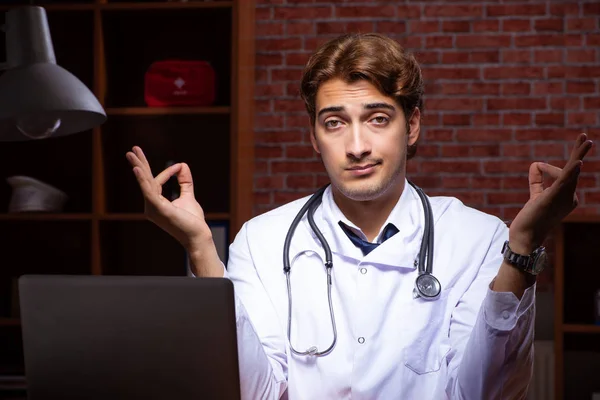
(362, 333)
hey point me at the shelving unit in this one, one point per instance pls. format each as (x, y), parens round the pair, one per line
(108, 45)
(576, 334)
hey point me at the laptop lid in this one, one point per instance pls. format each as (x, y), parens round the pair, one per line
(124, 337)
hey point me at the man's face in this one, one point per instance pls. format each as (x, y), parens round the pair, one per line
(362, 137)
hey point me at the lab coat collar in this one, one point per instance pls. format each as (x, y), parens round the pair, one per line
(401, 250)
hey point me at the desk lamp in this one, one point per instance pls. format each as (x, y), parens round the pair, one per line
(38, 98)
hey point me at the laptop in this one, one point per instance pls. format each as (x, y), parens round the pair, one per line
(129, 337)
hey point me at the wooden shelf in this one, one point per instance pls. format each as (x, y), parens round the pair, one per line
(10, 322)
(577, 218)
(33, 216)
(167, 110)
(581, 328)
(141, 217)
(126, 6)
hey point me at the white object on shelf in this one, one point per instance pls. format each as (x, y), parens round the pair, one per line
(30, 194)
(596, 396)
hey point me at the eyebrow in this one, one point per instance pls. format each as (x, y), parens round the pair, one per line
(370, 106)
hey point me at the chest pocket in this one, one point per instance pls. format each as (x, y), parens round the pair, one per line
(429, 333)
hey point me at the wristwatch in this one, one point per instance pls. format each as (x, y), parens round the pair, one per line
(532, 264)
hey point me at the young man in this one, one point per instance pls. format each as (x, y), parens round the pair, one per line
(361, 332)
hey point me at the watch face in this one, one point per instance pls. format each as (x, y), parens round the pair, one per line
(541, 260)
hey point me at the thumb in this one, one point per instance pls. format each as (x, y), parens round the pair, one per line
(184, 178)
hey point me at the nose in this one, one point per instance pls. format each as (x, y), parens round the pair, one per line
(358, 145)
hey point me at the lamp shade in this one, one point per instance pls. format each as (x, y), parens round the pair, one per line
(38, 98)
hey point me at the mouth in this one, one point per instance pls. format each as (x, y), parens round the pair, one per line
(359, 170)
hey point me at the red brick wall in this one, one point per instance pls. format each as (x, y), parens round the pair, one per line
(507, 83)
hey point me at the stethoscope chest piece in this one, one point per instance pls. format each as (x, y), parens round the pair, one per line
(428, 287)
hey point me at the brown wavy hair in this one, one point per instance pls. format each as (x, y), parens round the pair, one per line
(375, 58)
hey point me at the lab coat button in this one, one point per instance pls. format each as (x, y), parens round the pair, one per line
(361, 340)
(505, 315)
(363, 271)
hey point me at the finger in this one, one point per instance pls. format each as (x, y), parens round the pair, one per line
(581, 148)
(164, 176)
(144, 172)
(536, 179)
(184, 178)
(142, 157)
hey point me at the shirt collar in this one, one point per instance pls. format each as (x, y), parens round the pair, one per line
(400, 250)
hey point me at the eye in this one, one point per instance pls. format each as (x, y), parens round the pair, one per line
(380, 120)
(332, 123)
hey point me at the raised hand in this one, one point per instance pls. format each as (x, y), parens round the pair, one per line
(548, 206)
(183, 218)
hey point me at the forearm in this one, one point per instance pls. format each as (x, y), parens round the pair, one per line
(204, 259)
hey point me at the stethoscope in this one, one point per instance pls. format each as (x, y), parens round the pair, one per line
(427, 286)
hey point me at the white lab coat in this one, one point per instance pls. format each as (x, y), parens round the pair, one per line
(471, 343)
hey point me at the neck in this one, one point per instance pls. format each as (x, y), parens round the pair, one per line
(369, 215)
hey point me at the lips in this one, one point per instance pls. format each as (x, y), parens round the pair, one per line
(362, 167)
(362, 170)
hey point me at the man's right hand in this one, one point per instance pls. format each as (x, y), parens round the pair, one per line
(183, 218)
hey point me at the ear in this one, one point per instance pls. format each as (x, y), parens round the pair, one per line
(313, 140)
(414, 124)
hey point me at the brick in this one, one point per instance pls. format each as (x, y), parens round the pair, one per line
(286, 74)
(581, 24)
(456, 26)
(550, 24)
(262, 106)
(506, 166)
(453, 57)
(428, 151)
(591, 8)
(516, 25)
(456, 119)
(455, 150)
(486, 119)
(365, 11)
(523, 88)
(268, 121)
(426, 181)
(539, 40)
(261, 75)
(462, 11)
(557, 119)
(590, 103)
(450, 73)
(463, 104)
(513, 10)
(549, 56)
(482, 88)
(575, 56)
(488, 150)
(564, 103)
(485, 57)
(543, 150)
(486, 26)
(508, 197)
(408, 11)
(269, 29)
(278, 167)
(581, 87)
(516, 150)
(437, 166)
(513, 72)
(544, 133)
(390, 27)
(516, 119)
(424, 26)
(433, 42)
(269, 182)
(264, 13)
(454, 88)
(543, 88)
(492, 41)
(267, 152)
(483, 135)
(286, 197)
(290, 13)
(262, 197)
(484, 182)
(297, 121)
(300, 181)
(516, 56)
(454, 182)
(523, 103)
(593, 39)
(278, 44)
(293, 59)
(265, 60)
(299, 151)
(300, 28)
(261, 168)
(278, 137)
(582, 118)
(564, 8)
(323, 179)
(412, 42)
(428, 57)
(268, 90)
(292, 89)
(439, 135)
(515, 182)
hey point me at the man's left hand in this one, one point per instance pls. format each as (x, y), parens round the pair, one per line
(547, 206)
